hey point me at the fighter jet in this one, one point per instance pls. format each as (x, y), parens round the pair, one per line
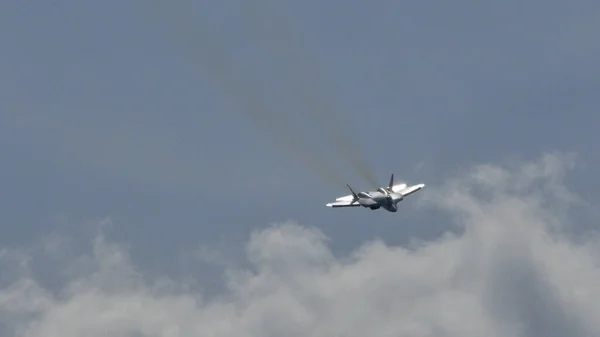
(384, 197)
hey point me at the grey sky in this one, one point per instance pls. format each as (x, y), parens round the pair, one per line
(104, 113)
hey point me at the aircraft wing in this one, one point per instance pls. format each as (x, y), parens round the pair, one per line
(410, 189)
(348, 197)
(343, 203)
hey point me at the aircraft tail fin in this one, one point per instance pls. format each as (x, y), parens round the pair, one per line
(353, 193)
(391, 184)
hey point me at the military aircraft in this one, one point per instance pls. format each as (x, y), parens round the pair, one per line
(386, 197)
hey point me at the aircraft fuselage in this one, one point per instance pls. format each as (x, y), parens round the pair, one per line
(378, 199)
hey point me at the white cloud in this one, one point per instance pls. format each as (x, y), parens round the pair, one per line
(511, 272)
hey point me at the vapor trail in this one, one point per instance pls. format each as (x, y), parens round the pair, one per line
(208, 51)
(313, 96)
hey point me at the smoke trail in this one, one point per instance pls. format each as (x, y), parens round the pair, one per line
(202, 47)
(305, 77)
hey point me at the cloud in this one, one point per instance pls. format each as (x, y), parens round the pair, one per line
(511, 271)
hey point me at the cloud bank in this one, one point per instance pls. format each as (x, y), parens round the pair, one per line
(511, 270)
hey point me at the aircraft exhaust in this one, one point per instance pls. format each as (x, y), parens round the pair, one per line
(310, 98)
